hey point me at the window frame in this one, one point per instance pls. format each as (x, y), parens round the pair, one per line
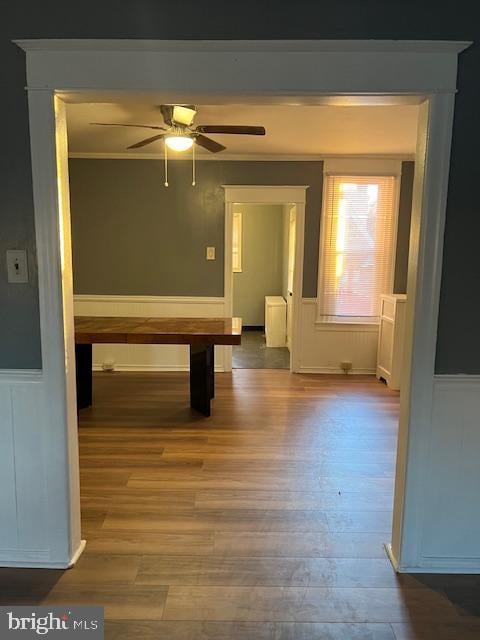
(358, 167)
(238, 215)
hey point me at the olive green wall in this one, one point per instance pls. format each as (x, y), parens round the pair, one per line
(262, 261)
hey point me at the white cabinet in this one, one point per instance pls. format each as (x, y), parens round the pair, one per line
(275, 321)
(391, 338)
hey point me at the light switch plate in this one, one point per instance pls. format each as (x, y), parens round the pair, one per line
(210, 253)
(17, 269)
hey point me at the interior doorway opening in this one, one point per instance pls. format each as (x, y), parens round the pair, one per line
(263, 260)
(264, 257)
(314, 76)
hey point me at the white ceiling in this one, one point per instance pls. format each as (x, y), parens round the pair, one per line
(291, 130)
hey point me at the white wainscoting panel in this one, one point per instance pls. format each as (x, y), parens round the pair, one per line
(23, 493)
(144, 357)
(451, 526)
(323, 347)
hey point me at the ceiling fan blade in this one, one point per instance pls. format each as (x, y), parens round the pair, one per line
(143, 143)
(209, 144)
(121, 124)
(167, 113)
(236, 129)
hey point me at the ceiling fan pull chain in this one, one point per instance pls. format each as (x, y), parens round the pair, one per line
(166, 165)
(193, 165)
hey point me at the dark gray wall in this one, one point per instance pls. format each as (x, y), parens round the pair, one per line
(403, 227)
(457, 351)
(132, 235)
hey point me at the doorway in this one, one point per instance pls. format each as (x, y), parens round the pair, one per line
(322, 70)
(272, 314)
(263, 259)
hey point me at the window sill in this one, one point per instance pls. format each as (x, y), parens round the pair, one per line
(335, 325)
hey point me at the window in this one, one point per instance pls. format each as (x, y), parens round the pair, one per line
(237, 242)
(357, 245)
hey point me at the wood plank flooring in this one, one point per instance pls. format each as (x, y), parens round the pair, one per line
(265, 521)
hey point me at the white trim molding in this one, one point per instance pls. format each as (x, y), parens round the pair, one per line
(226, 157)
(83, 298)
(265, 193)
(355, 167)
(179, 71)
(270, 194)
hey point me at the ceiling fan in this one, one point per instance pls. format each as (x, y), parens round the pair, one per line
(179, 134)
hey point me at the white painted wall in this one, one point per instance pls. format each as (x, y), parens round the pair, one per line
(323, 347)
(448, 517)
(22, 472)
(30, 488)
(320, 352)
(451, 516)
(148, 357)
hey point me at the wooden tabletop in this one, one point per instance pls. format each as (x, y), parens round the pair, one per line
(92, 330)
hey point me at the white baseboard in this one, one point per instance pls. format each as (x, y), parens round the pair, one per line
(37, 559)
(335, 370)
(391, 556)
(150, 368)
(78, 552)
(436, 565)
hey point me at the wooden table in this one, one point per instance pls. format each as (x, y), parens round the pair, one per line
(202, 334)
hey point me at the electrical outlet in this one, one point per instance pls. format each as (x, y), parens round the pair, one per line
(17, 269)
(210, 253)
(346, 366)
(108, 364)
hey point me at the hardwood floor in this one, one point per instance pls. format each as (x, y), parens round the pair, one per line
(265, 521)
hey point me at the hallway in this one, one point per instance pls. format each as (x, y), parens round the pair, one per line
(254, 354)
(264, 522)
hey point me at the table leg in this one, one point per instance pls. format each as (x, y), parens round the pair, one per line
(202, 381)
(83, 367)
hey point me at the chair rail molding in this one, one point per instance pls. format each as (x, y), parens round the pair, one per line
(309, 72)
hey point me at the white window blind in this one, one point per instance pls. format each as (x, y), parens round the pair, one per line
(237, 242)
(357, 239)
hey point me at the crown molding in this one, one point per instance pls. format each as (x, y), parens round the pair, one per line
(245, 157)
(247, 46)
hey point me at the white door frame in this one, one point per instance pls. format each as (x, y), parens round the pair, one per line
(267, 194)
(302, 72)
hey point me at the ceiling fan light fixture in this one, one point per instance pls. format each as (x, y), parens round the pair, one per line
(178, 143)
